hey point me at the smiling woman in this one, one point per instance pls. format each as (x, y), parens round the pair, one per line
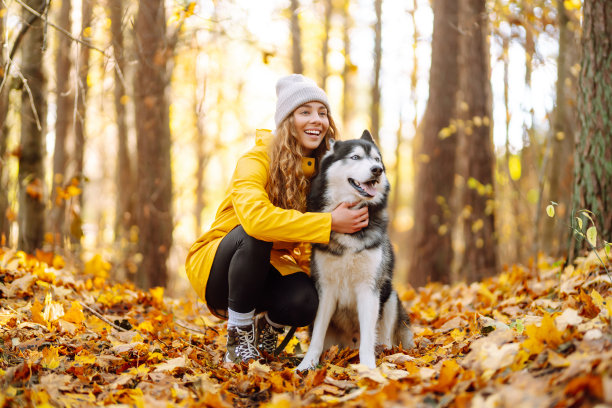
(311, 123)
(255, 257)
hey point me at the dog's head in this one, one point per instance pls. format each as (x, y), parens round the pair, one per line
(354, 171)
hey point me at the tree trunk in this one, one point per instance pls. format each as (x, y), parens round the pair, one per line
(432, 252)
(477, 163)
(153, 140)
(4, 91)
(593, 170)
(33, 113)
(329, 8)
(561, 160)
(296, 39)
(125, 217)
(63, 123)
(347, 72)
(76, 232)
(375, 107)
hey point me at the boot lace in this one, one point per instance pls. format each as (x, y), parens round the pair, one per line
(246, 347)
(267, 336)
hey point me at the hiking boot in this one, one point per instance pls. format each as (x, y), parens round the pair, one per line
(267, 335)
(241, 344)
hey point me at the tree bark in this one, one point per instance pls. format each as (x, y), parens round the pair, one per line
(153, 140)
(593, 170)
(561, 160)
(31, 216)
(477, 160)
(432, 252)
(76, 232)
(296, 38)
(329, 8)
(347, 72)
(63, 124)
(4, 91)
(124, 210)
(375, 106)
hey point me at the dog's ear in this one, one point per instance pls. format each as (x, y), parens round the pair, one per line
(367, 136)
(330, 143)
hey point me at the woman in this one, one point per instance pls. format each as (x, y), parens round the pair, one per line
(255, 257)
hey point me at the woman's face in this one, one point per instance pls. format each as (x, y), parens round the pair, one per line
(311, 123)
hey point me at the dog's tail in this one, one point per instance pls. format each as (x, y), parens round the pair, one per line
(403, 331)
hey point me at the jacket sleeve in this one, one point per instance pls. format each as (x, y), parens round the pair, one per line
(264, 221)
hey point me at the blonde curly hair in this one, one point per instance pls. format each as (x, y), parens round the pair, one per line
(288, 187)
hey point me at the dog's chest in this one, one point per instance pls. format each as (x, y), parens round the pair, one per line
(347, 274)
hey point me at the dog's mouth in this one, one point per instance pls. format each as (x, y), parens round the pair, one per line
(366, 189)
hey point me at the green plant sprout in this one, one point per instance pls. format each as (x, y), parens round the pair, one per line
(590, 234)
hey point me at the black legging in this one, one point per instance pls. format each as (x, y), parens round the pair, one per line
(243, 279)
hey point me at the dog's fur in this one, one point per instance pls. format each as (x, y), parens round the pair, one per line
(358, 306)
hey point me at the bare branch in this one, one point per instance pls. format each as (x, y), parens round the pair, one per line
(60, 29)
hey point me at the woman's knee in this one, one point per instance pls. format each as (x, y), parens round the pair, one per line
(250, 244)
(302, 305)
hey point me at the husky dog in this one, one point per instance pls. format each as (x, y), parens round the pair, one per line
(358, 306)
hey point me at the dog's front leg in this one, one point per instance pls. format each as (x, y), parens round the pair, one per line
(325, 310)
(367, 308)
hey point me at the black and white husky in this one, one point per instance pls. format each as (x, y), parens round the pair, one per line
(358, 306)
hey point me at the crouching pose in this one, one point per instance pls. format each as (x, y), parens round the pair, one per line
(255, 259)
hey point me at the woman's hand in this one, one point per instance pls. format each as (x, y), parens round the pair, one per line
(347, 221)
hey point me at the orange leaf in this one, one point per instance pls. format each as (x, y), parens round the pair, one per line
(74, 314)
(449, 374)
(37, 316)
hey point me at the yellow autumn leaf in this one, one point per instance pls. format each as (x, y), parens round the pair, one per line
(58, 262)
(74, 314)
(591, 235)
(73, 191)
(141, 369)
(550, 210)
(514, 166)
(598, 299)
(51, 358)
(37, 316)
(53, 310)
(158, 295)
(146, 326)
(97, 266)
(85, 359)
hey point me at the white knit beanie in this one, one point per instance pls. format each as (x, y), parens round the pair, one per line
(293, 91)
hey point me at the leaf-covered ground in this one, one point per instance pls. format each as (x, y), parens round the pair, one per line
(530, 337)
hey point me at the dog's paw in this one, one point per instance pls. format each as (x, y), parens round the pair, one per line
(306, 365)
(368, 361)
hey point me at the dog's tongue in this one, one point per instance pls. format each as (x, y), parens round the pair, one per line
(369, 188)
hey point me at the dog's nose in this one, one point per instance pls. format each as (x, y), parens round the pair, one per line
(376, 170)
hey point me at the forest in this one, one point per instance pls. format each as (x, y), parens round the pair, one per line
(120, 126)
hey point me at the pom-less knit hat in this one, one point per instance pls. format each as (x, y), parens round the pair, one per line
(293, 91)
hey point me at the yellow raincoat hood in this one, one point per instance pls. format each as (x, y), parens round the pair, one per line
(246, 203)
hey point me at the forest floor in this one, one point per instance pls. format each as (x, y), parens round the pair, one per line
(533, 336)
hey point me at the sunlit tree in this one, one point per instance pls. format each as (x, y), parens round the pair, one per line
(432, 252)
(593, 171)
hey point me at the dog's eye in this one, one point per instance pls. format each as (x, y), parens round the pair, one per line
(377, 159)
(355, 157)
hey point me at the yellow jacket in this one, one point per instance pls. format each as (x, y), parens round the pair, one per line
(246, 203)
